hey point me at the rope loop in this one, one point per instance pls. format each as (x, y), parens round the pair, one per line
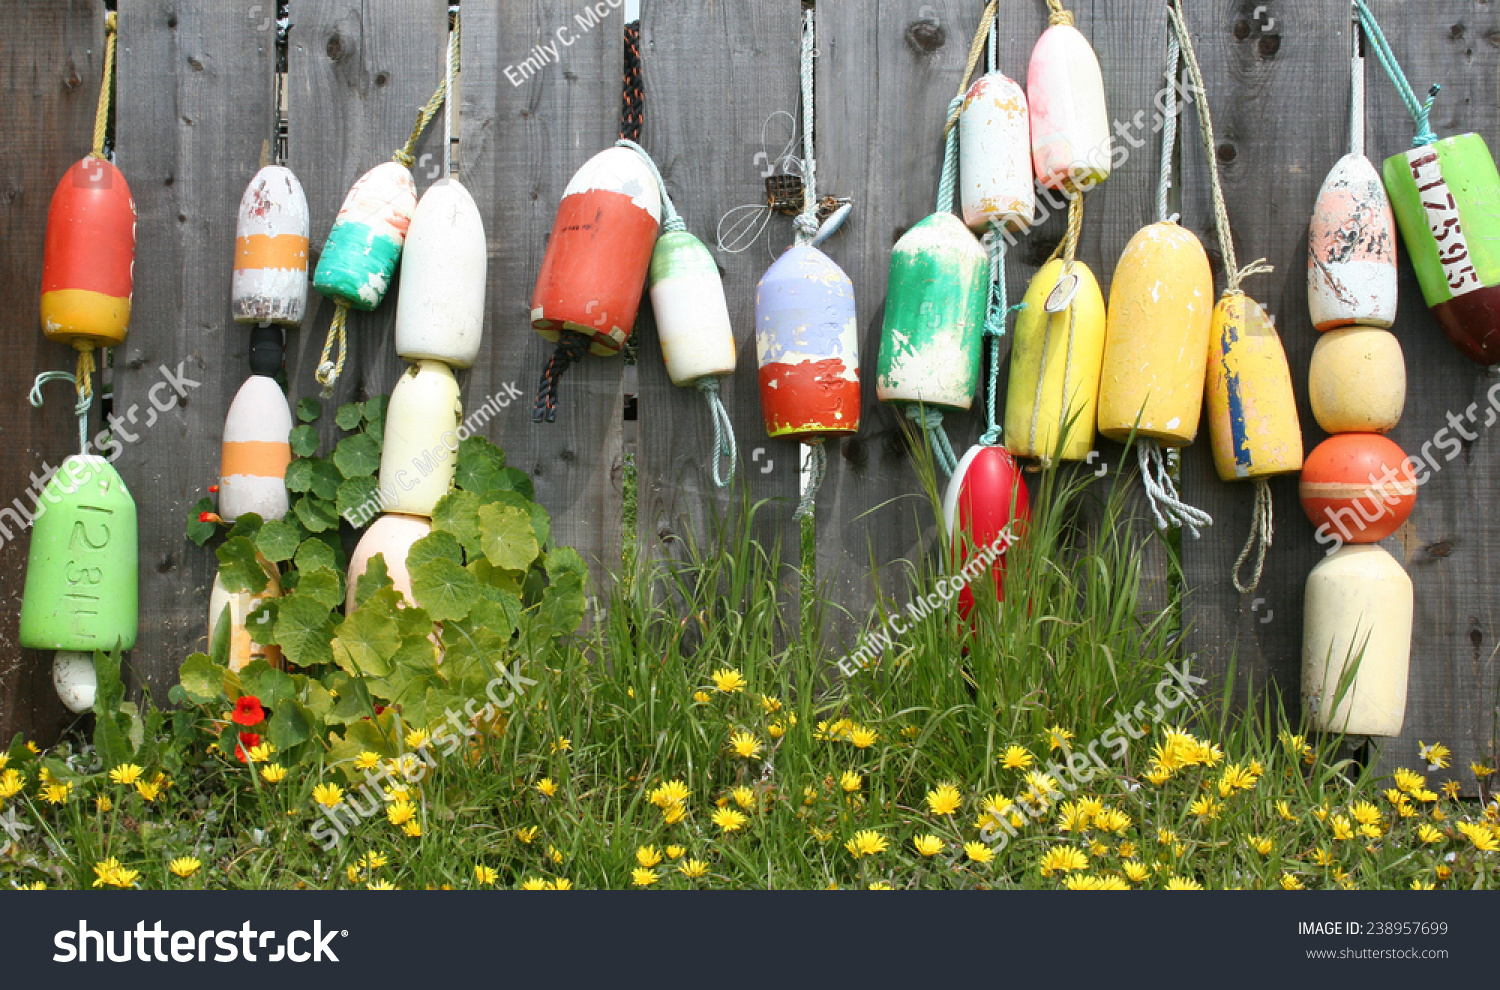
(724, 445)
(571, 347)
(671, 221)
(995, 313)
(1421, 112)
(817, 468)
(1058, 14)
(81, 406)
(1256, 267)
(1261, 529)
(930, 419)
(329, 368)
(1161, 491)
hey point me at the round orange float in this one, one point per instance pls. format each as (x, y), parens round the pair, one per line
(1357, 488)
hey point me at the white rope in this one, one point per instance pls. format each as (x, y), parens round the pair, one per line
(448, 102)
(1357, 102)
(1168, 130)
(1161, 491)
(807, 221)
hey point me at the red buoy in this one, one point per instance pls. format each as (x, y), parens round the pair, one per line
(1357, 488)
(89, 257)
(984, 509)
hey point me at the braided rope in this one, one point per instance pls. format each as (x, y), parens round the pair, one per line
(1058, 15)
(1161, 490)
(995, 314)
(571, 347)
(633, 95)
(329, 369)
(724, 445)
(106, 84)
(80, 407)
(404, 155)
(930, 419)
(1421, 112)
(976, 49)
(806, 223)
(1168, 130)
(817, 467)
(1261, 528)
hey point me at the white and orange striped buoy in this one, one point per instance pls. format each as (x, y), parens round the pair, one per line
(269, 284)
(256, 451)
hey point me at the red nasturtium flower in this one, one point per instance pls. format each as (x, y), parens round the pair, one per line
(248, 740)
(247, 710)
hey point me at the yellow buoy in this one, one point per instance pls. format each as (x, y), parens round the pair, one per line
(1252, 411)
(1054, 368)
(1357, 380)
(1156, 339)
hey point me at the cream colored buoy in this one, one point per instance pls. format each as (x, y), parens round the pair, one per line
(440, 308)
(269, 284)
(1351, 249)
(692, 314)
(391, 536)
(994, 160)
(1357, 380)
(74, 679)
(1358, 606)
(1156, 339)
(1070, 146)
(243, 646)
(256, 451)
(419, 450)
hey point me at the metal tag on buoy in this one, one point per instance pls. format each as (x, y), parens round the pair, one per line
(1061, 296)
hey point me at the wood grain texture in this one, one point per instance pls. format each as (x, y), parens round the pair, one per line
(880, 140)
(51, 57)
(705, 131)
(194, 110)
(1451, 543)
(521, 144)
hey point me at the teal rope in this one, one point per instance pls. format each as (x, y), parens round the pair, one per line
(724, 445)
(1420, 112)
(80, 408)
(671, 222)
(995, 316)
(819, 468)
(949, 177)
(930, 420)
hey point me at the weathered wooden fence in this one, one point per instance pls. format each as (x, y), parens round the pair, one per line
(196, 116)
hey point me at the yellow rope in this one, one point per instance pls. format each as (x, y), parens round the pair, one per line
(1058, 15)
(106, 85)
(404, 155)
(976, 49)
(329, 370)
(85, 376)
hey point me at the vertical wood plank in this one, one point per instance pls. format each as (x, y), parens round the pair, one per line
(521, 144)
(1451, 543)
(881, 142)
(194, 110)
(704, 130)
(51, 57)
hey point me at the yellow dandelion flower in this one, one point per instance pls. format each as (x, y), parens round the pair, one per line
(184, 866)
(412, 829)
(1112, 820)
(674, 813)
(1322, 857)
(1016, 758)
(1183, 883)
(534, 883)
(978, 852)
(1135, 872)
(770, 704)
(273, 773)
(702, 697)
(1342, 829)
(1479, 836)
(110, 873)
(944, 800)
(401, 812)
(1235, 778)
(1408, 781)
(1086, 881)
(562, 745)
(57, 792)
(1450, 788)
(1071, 818)
(1423, 885)
(1097, 848)
(851, 781)
(644, 878)
(1261, 844)
(775, 730)
(380, 885)
(647, 856)
(1157, 775)
(1056, 737)
(328, 795)
(692, 868)
(866, 842)
(125, 773)
(547, 786)
(1166, 836)
(1424, 795)
(744, 797)
(1480, 770)
(672, 792)
(1062, 859)
(1371, 831)
(367, 760)
(881, 885)
(554, 854)
(11, 784)
(527, 834)
(103, 803)
(561, 883)
(1436, 755)
(417, 738)
(927, 845)
(1289, 881)
(148, 792)
(33, 748)
(997, 804)
(728, 680)
(745, 745)
(675, 852)
(352, 872)
(1205, 807)
(911, 732)
(1043, 785)
(1321, 814)
(863, 738)
(1365, 813)
(261, 753)
(1429, 835)
(729, 820)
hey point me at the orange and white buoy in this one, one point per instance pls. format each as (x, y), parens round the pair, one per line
(256, 451)
(271, 233)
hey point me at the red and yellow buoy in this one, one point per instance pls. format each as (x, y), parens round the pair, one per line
(1357, 488)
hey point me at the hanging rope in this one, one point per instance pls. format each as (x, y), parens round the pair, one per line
(1168, 131)
(633, 102)
(449, 70)
(405, 155)
(994, 326)
(1058, 15)
(80, 408)
(328, 369)
(1421, 112)
(1161, 491)
(571, 347)
(724, 445)
(1261, 528)
(806, 223)
(106, 85)
(817, 467)
(931, 422)
(1357, 101)
(671, 221)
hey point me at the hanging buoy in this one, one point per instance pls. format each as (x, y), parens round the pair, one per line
(807, 343)
(994, 160)
(1252, 410)
(692, 314)
(256, 451)
(81, 574)
(1444, 195)
(1357, 380)
(599, 253)
(391, 536)
(985, 507)
(89, 257)
(440, 308)
(419, 448)
(1156, 338)
(243, 647)
(934, 316)
(364, 245)
(1357, 488)
(1351, 256)
(1055, 363)
(1069, 121)
(75, 680)
(269, 284)
(1358, 608)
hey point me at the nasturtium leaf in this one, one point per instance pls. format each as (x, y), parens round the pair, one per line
(357, 455)
(317, 698)
(322, 584)
(497, 578)
(372, 580)
(349, 416)
(478, 461)
(265, 682)
(357, 502)
(371, 639)
(375, 415)
(317, 514)
(304, 440)
(444, 589)
(326, 480)
(304, 630)
(506, 536)
(202, 680)
(309, 409)
(278, 540)
(458, 513)
(432, 546)
(315, 553)
(198, 531)
(261, 622)
(239, 568)
(291, 723)
(299, 474)
(513, 480)
(248, 524)
(497, 612)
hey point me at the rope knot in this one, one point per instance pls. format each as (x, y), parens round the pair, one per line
(1425, 134)
(403, 157)
(1256, 267)
(806, 224)
(1063, 17)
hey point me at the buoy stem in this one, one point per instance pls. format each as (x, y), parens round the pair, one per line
(1357, 100)
(449, 70)
(81, 406)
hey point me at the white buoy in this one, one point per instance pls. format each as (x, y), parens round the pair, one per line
(1069, 122)
(420, 448)
(269, 284)
(74, 679)
(256, 451)
(994, 154)
(440, 308)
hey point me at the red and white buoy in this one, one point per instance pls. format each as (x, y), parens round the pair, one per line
(984, 509)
